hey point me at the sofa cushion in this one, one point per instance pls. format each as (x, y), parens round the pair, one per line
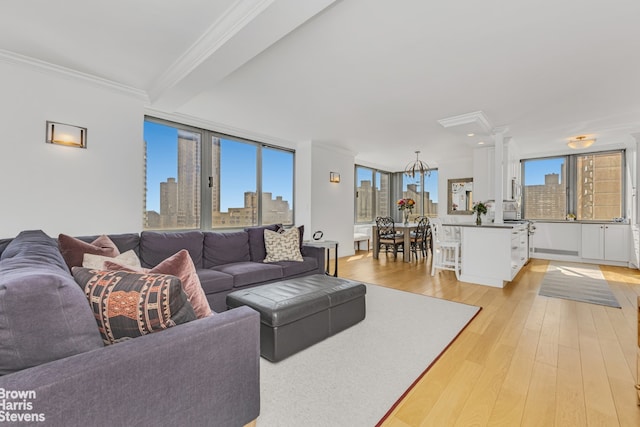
(124, 242)
(156, 246)
(128, 305)
(294, 268)
(3, 244)
(73, 249)
(248, 273)
(128, 258)
(213, 281)
(225, 248)
(284, 246)
(256, 241)
(35, 247)
(181, 266)
(44, 315)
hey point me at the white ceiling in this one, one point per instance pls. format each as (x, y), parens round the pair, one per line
(372, 76)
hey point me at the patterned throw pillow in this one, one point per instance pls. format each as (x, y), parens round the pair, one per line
(282, 246)
(129, 305)
(128, 258)
(73, 249)
(181, 266)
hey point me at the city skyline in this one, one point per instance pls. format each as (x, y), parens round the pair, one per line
(237, 167)
(175, 201)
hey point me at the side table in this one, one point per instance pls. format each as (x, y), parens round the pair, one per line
(328, 244)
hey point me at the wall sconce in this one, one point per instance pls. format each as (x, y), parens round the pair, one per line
(63, 134)
(334, 177)
(580, 142)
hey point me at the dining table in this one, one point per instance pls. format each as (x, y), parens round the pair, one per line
(406, 230)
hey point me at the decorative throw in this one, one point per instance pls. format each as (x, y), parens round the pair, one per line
(283, 246)
(128, 305)
(179, 265)
(128, 258)
(73, 249)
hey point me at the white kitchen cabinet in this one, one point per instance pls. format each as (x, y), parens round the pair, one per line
(608, 242)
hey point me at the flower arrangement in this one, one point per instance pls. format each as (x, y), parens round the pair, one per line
(406, 204)
(480, 208)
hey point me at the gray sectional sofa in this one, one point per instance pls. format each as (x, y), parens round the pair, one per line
(55, 370)
(225, 262)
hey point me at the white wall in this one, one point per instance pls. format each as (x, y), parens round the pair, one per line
(63, 189)
(332, 205)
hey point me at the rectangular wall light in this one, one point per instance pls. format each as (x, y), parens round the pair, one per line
(63, 134)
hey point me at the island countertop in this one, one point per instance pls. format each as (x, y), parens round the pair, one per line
(489, 225)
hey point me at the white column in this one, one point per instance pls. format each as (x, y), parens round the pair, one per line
(498, 139)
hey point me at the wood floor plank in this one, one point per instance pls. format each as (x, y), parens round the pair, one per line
(540, 405)
(570, 408)
(525, 359)
(482, 398)
(598, 398)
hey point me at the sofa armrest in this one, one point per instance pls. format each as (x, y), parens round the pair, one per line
(205, 372)
(316, 252)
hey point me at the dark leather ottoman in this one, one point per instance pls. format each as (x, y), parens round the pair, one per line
(297, 313)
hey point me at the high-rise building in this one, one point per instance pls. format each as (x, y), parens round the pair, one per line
(214, 181)
(169, 203)
(188, 179)
(547, 201)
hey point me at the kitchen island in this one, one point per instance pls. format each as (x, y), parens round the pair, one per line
(492, 254)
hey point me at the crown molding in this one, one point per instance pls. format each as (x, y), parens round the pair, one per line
(219, 33)
(47, 67)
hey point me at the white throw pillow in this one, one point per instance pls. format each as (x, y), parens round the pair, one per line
(282, 246)
(129, 258)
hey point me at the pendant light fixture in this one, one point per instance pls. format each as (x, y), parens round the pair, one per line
(417, 167)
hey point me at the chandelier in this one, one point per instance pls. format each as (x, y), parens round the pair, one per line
(417, 167)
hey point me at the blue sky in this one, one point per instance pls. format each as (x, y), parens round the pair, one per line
(535, 170)
(237, 168)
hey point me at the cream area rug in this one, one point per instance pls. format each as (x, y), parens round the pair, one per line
(578, 282)
(355, 377)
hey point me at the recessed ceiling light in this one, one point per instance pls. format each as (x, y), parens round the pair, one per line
(470, 134)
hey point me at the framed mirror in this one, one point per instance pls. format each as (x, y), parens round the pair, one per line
(460, 196)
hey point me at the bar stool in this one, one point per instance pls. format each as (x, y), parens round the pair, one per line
(445, 249)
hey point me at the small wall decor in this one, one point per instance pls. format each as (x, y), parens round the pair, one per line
(334, 177)
(64, 134)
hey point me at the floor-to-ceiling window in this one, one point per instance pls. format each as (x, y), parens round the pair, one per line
(229, 183)
(372, 194)
(423, 188)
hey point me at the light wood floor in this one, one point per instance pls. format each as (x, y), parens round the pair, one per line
(525, 360)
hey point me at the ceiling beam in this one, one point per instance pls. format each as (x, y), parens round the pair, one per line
(243, 32)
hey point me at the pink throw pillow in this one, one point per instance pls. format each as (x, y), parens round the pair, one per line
(73, 249)
(181, 266)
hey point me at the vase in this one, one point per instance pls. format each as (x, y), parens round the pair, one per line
(478, 219)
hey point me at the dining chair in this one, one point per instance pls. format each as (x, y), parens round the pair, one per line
(418, 238)
(445, 249)
(388, 238)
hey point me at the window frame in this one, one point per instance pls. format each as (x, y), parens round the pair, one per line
(571, 184)
(375, 185)
(206, 173)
